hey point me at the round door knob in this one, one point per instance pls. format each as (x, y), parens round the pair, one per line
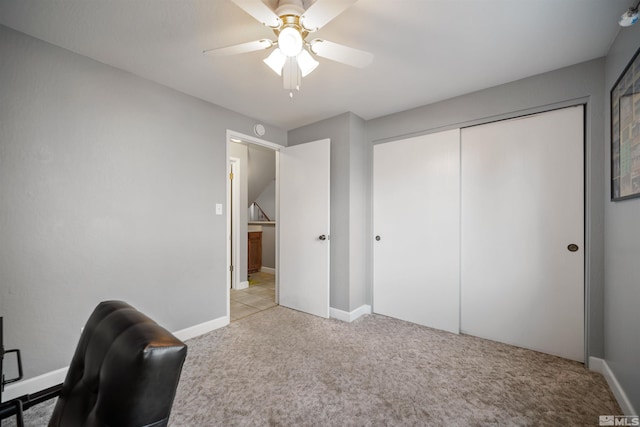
(377, 238)
(572, 247)
(322, 237)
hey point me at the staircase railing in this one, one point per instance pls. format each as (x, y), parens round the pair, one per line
(256, 213)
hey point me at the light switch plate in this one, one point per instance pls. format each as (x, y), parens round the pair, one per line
(218, 208)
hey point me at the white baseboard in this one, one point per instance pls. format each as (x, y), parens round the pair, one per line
(52, 378)
(347, 316)
(600, 365)
(242, 285)
(34, 384)
(202, 328)
(269, 270)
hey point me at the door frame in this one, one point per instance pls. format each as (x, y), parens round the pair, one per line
(233, 202)
(234, 136)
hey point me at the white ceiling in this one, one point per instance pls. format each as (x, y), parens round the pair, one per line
(425, 50)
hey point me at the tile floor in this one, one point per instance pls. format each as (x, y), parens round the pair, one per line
(260, 295)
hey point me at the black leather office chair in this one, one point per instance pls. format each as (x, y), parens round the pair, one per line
(124, 372)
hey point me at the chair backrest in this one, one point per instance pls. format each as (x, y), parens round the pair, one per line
(124, 372)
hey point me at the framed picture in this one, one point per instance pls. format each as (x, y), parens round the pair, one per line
(625, 133)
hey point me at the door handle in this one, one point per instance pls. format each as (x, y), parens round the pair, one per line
(322, 237)
(572, 247)
(377, 238)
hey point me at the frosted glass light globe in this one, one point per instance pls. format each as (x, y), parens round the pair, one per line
(290, 41)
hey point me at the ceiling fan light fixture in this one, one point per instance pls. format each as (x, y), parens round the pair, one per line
(290, 41)
(306, 63)
(629, 18)
(276, 61)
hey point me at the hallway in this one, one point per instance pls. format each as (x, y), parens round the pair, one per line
(260, 295)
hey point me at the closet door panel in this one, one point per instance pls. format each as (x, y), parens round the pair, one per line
(416, 216)
(522, 207)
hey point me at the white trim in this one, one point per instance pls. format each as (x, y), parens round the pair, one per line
(52, 378)
(346, 316)
(202, 328)
(242, 285)
(596, 365)
(233, 219)
(600, 365)
(227, 186)
(269, 270)
(253, 140)
(34, 384)
(277, 226)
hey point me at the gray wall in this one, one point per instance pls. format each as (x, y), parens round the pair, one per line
(580, 83)
(337, 129)
(269, 245)
(262, 170)
(108, 186)
(267, 200)
(622, 249)
(360, 201)
(347, 137)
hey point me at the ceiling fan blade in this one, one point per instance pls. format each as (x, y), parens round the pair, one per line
(260, 11)
(240, 48)
(340, 53)
(323, 11)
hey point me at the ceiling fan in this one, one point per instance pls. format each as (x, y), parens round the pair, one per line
(293, 56)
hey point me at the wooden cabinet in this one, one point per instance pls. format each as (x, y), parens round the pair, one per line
(255, 251)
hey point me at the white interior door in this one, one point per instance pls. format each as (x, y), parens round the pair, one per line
(303, 223)
(522, 206)
(416, 215)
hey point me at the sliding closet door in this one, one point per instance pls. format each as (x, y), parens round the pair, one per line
(522, 216)
(416, 222)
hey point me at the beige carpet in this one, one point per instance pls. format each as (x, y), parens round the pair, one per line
(280, 367)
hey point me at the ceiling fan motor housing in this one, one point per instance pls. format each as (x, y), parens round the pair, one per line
(291, 34)
(290, 7)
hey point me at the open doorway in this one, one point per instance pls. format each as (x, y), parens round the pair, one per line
(252, 223)
(302, 224)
